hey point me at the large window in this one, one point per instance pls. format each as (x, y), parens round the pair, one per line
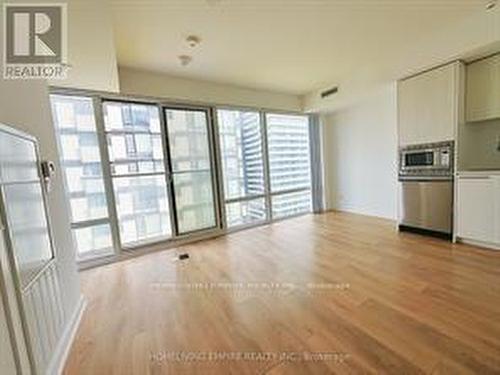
(81, 160)
(240, 139)
(289, 164)
(136, 158)
(138, 173)
(288, 178)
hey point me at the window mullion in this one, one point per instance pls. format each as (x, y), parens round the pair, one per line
(168, 173)
(106, 170)
(217, 168)
(265, 157)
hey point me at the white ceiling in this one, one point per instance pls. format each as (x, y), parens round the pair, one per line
(292, 46)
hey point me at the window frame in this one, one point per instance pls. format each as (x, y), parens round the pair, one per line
(109, 177)
(247, 198)
(292, 190)
(118, 251)
(268, 194)
(88, 223)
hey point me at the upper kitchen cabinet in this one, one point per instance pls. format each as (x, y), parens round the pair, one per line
(483, 89)
(428, 105)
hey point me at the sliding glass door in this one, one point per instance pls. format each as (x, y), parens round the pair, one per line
(191, 165)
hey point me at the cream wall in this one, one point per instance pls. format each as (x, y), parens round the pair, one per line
(360, 155)
(138, 82)
(91, 47)
(478, 34)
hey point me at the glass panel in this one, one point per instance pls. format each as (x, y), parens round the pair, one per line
(94, 238)
(18, 161)
(194, 201)
(246, 212)
(291, 204)
(288, 149)
(134, 138)
(80, 156)
(416, 159)
(131, 117)
(142, 208)
(28, 227)
(188, 139)
(135, 146)
(241, 150)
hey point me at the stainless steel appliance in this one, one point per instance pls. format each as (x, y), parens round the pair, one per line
(426, 191)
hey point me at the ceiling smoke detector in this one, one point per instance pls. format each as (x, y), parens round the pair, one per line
(193, 40)
(491, 4)
(185, 59)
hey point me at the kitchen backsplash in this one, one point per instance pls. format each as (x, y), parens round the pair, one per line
(479, 145)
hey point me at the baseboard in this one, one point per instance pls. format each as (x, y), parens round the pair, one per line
(61, 353)
(362, 213)
(483, 245)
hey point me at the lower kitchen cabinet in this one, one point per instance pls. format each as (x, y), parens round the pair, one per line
(478, 209)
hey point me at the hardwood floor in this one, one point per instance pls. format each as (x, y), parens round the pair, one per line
(348, 288)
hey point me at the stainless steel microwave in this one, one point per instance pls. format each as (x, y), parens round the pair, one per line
(426, 158)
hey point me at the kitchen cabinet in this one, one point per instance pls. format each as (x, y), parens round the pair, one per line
(482, 99)
(478, 209)
(428, 106)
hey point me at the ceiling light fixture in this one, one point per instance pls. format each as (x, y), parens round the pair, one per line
(185, 59)
(193, 40)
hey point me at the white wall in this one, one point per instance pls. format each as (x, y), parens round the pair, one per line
(361, 130)
(143, 83)
(360, 155)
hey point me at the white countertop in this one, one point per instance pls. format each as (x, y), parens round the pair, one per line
(479, 173)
